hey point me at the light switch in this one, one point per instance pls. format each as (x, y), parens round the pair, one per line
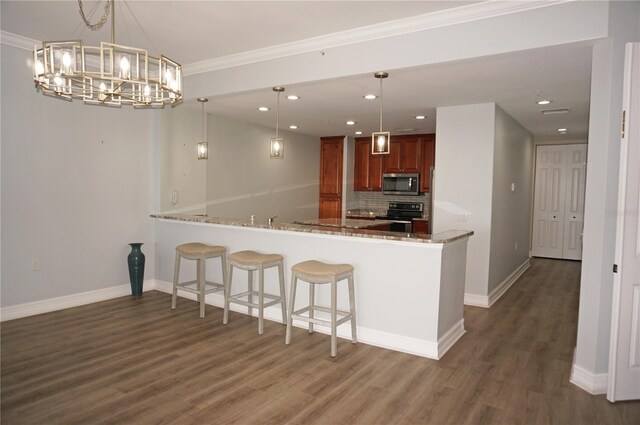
(513, 187)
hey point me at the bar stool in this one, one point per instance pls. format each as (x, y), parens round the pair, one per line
(316, 272)
(252, 261)
(201, 253)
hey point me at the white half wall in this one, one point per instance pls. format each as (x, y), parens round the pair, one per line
(76, 189)
(463, 183)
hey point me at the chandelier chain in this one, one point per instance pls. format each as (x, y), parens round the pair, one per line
(101, 22)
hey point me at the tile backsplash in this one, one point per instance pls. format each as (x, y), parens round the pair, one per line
(378, 201)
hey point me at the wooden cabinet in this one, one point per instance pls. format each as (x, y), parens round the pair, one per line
(408, 154)
(428, 161)
(404, 155)
(420, 226)
(331, 177)
(367, 168)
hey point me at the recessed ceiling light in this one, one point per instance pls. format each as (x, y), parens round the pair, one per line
(562, 130)
(370, 96)
(351, 122)
(420, 117)
(544, 102)
(555, 111)
(293, 127)
(263, 109)
(293, 97)
(358, 133)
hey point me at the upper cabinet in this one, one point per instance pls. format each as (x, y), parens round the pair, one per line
(408, 154)
(428, 161)
(367, 167)
(404, 155)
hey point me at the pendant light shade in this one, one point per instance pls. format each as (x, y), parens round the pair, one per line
(380, 140)
(203, 147)
(277, 143)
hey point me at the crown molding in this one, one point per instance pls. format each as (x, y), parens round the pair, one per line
(15, 40)
(453, 16)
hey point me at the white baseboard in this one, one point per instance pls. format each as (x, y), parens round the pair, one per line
(450, 338)
(593, 383)
(476, 300)
(499, 291)
(60, 303)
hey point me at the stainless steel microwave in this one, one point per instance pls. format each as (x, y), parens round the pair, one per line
(400, 184)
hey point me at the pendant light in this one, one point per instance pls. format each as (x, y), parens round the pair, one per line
(380, 140)
(203, 147)
(277, 143)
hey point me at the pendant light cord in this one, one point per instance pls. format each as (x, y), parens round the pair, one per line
(277, 114)
(381, 105)
(204, 131)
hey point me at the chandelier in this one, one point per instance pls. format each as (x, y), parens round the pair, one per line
(109, 75)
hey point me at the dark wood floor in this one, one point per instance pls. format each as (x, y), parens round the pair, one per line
(135, 361)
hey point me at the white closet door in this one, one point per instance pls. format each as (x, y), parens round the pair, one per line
(549, 202)
(574, 202)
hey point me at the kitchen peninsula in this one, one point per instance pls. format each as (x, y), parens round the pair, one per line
(409, 287)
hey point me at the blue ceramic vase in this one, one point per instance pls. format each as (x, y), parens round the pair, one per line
(136, 268)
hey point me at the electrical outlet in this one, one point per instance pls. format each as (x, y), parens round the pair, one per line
(35, 264)
(462, 217)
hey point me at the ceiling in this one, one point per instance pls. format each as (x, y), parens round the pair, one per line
(214, 29)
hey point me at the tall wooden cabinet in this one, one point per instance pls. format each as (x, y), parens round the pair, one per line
(331, 150)
(367, 167)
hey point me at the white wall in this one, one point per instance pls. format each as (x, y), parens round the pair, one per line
(592, 348)
(180, 169)
(75, 189)
(513, 155)
(463, 183)
(243, 180)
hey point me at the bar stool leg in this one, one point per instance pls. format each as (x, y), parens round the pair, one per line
(312, 303)
(227, 294)
(250, 289)
(352, 308)
(201, 279)
(176, 274)
(292, 298)
(283, 301)
(334, 318)
(261, 301)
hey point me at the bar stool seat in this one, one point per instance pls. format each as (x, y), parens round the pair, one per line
(200, 253)
(316, 272)
(252, 261)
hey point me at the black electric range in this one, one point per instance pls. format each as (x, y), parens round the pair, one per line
(402, 214)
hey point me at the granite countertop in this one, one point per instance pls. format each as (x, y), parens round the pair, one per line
(444, 237)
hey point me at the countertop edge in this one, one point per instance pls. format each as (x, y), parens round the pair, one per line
(440, 238)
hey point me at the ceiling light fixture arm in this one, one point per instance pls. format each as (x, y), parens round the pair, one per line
(278, 90)
(381, 76)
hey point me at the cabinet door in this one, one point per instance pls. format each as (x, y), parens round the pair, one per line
(391, 162)
(367, 167)
(420, 226)
(375, 172)
(361, 165)
(410, 154)
(330, 206)
(428, 161)
(331, 165)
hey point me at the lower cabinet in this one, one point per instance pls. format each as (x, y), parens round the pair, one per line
(420, 226)
(330, 206)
